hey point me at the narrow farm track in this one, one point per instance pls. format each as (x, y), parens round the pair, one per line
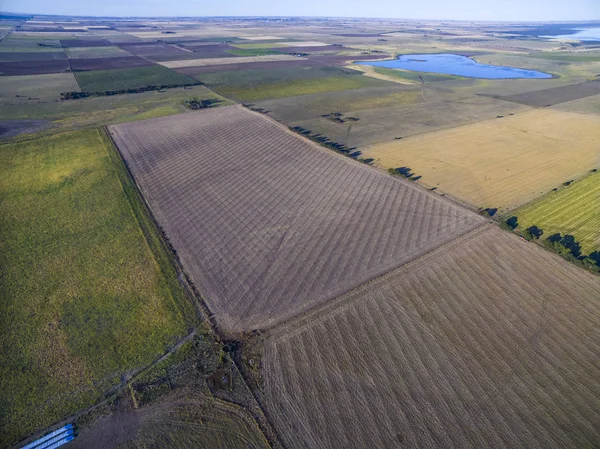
(268, 224)
(486, 342)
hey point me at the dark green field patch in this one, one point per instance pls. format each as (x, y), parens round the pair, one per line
(253, 52)
(256, 85)
(122, 79)
(567, 57)
(294, 87)
(257, 77)
(298, 87)
(87, 292)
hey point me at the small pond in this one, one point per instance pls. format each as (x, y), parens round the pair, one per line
(449, 64)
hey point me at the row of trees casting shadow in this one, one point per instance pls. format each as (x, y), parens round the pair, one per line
(565, 245)
(137, 90)
(327, 142)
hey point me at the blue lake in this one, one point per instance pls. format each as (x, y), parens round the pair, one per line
(449, 64)
(582, 34)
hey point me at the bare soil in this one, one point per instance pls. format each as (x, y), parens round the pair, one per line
(488, 342)
(267, 223)
(33, 67)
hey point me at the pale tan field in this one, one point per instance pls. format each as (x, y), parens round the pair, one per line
(206, 32)
(302, 44)
(588, 105)
(502, 162)
(260, 38)
(222, 61)
(488, 342)
(281, 223)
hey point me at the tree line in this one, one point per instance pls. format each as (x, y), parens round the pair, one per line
(136, 90)
(565, 245)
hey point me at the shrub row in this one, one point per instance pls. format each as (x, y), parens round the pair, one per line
(137, 90)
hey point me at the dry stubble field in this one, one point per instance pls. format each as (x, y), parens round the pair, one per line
(502, 162)
(488, 342)
(268, 223)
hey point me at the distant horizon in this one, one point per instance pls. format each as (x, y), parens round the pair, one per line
(425, 10)
(412, 19)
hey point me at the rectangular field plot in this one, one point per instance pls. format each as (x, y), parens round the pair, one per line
(105, 80)
(103, 300)
(409, 115)
(33, 88)
(226, 60)
(574, 210)
(488, 342)
(84, 65)
(268, 224)
(502, 162)
(292, 110)
(252, 85)
(556, 95)
(32, 67)
(96, 52)
(273, 65)
(32, 56)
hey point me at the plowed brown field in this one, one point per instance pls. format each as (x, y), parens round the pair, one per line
(488, 342)
(268, 223)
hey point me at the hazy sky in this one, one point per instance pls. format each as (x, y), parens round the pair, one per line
(530, 10)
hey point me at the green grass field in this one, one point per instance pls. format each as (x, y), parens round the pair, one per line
(566, 57)
(296, 87)
(120, 79)
(88, 291)
(253, 52)
(255, 77)
(255, 85)
(574, 209)
(414, 76)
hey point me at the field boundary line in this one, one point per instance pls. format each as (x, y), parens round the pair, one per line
(109, 395)
(182, 277)
(559, 189)
(344, 299)
(412, 184)
(264, 424)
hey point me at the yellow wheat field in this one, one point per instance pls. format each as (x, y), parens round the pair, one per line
(502, 162)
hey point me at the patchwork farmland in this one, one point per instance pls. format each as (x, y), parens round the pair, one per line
(502, 162)
(488, 342)
(282, 224)
(234, 284)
